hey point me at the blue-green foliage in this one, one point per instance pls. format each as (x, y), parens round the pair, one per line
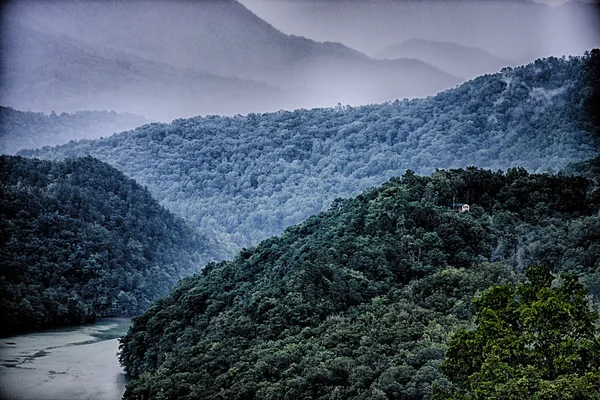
(79, 240)
(358, 301)
(249, 177)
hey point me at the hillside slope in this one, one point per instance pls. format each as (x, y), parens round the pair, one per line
(358, 301)
(250, 177)
(79, 240)
(464, 61)
(225, 60)
(30, 130)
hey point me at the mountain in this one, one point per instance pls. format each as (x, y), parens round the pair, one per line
(246, 46)
(464, 61)
(516, 30)
(211, 57)
(56, 72)
(249, 177)
(358, 301)
(30, 130)
(81, 241)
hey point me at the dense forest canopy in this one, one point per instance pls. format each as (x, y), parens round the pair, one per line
(358, 301)
(249, 177)
(79, 240)
(32, 130)
(535, 341)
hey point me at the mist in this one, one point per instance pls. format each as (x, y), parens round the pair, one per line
(167, 60)
(517, 30)
(289, 199)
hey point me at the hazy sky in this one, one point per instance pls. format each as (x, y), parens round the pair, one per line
(517, 30)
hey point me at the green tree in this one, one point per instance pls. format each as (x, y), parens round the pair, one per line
(535, 341)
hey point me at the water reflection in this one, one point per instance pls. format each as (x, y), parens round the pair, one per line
(66, 363)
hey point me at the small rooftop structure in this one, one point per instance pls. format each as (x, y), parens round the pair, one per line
(461, 207)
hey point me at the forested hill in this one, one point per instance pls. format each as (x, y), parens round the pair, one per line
(251, 176)
(358, 301)
(79, 240)
(32, 130)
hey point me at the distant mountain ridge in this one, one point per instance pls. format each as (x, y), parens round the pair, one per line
(211, 58)
(56, 72)
(249, 177)
(519, 31)
(31, 130)
(464, 61)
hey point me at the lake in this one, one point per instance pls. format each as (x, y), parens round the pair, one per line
(68, 363)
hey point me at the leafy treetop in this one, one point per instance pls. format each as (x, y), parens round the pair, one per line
(535, 341)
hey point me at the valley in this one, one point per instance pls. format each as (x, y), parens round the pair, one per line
(300, 199)
(248, 177)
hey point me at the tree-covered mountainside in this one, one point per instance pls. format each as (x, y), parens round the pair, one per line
(358, 301)
(79, 240)
(249, 177)
(33, 130)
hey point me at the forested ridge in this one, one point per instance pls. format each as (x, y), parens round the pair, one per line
(358, 301)
(33, 130)
(79, 240)
(249, 177)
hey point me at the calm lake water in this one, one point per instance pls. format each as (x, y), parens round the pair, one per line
(62, 364)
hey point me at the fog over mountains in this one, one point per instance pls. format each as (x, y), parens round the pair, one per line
(515, 30)
(168, 60)
(459, 60)
(301, 199)
(29, 130)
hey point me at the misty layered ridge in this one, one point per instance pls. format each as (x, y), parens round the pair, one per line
(300, 199)
(31, 130)
(463, 61)
(358, 301)
(81, 241)
(45, 71)
(249, 177)
(175, 59)
(518, 31)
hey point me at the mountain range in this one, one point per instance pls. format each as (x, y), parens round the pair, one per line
(463, 61)
(213, 57)
(248, 177)
(519, 31)
(322, 253)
